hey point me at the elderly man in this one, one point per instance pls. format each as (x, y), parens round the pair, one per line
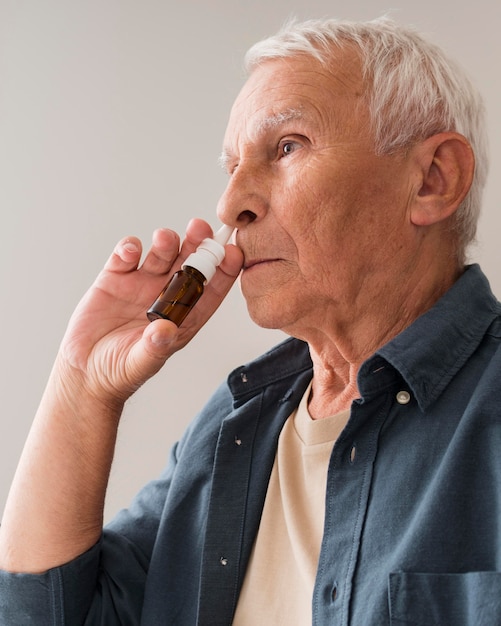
(352, 475)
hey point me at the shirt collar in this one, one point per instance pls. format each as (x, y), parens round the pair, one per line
(289, 360)
(429, 353)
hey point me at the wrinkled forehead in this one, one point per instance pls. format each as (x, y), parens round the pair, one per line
(295, 88)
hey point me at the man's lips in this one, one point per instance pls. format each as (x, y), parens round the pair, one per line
(255, 262)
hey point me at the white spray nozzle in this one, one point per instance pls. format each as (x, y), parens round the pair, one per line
(223, 235)
(210, 253)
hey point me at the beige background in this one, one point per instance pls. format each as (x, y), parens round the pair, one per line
(111, 119)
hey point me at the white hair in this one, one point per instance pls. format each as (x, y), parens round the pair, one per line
(414, 90)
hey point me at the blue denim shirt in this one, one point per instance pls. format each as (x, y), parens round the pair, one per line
(413, 505)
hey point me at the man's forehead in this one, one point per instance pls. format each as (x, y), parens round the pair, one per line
(282, 89)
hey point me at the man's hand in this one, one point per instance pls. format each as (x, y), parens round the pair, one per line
(110, 347)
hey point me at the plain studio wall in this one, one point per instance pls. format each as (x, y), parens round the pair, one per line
(112, 114)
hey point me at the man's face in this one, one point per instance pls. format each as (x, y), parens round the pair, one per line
(322, 219)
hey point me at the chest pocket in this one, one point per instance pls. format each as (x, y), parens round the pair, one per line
(470, 599)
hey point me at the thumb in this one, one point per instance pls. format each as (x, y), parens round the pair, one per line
(157, 344)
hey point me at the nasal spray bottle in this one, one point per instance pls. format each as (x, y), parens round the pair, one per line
(187, 285)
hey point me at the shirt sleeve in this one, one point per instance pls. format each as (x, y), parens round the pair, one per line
(40, 598)
(105, 585)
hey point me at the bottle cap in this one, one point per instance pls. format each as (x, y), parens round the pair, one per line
(210, 253)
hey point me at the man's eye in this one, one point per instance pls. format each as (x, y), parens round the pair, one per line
(287, 147)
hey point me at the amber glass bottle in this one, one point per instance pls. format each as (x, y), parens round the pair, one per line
(187, 285)
(179, 296)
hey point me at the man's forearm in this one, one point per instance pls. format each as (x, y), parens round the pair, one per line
(55, 506)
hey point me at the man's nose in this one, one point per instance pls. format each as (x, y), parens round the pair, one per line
(245, 198)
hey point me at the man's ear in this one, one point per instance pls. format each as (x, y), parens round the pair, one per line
(446, 166)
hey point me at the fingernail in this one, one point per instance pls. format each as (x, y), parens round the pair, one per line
(128, 246)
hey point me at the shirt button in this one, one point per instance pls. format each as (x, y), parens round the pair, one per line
(334, 592)
(353, 453)
(403, 397)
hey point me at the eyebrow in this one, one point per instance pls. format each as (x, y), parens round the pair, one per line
(278, 119)
(270, 121)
